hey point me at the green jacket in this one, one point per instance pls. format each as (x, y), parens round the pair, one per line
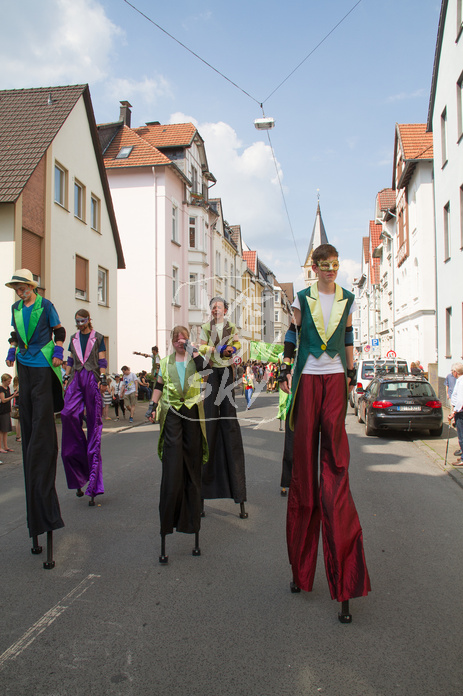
(213, 341)
(173, 396)
(313, 340)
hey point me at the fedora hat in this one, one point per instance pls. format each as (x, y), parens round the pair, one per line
(22, 276)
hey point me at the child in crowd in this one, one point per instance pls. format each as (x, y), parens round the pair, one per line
(107, 398)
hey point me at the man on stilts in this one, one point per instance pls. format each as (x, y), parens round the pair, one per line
(39, 359)
(324, 361)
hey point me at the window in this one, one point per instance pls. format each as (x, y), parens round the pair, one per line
(175, 285)
(174, 224)
(79, 200)
(277, 316)
(102, 286)
(194, 180)
(443, 135)
(192, 232)
(60, 185)
(95, 213)
(81, 278)
(232, 274)
(448, 332)
(193, 290)
(447, 232)
(460, 107)
(124, 152)
(217, 263)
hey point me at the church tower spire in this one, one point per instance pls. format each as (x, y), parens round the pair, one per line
(318, 237)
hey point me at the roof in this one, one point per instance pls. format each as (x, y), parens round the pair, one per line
(142, 155)
(366, 248)
(318, 234)
(288, 289)
(169, 135)
(416, 142)
(375, 240)
(30, 119)
(435, 69)
(386, 199)
(251, 259)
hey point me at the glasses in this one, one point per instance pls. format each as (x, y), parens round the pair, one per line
(328, 265)
(81, 321)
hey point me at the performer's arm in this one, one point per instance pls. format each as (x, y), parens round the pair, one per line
(349, 346)
(59, 333)
(290, 343)
(102, 364)
(155, 397)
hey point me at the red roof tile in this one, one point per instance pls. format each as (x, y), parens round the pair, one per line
(251, 259)
(142, 155)
(416, 142)
(386, 199)
(173, 135)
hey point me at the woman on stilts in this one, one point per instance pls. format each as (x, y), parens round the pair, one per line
(85, 379)
(182, 443)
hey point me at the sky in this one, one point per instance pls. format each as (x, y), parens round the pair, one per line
(334, 116)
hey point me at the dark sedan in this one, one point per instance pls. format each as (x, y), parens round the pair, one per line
(400, 403)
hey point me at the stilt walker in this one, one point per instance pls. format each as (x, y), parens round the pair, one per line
(182, 444)
(34, 320)
(319, 493)
(224, 473)
(85, 376)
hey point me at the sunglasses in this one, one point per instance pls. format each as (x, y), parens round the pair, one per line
(328, 265)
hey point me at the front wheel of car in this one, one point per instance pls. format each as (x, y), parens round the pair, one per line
(436, 432)
(368, 429)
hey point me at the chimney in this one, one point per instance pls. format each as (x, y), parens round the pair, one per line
(125, 113)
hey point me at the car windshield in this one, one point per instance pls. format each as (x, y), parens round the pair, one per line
(397, 390)
(372, 368)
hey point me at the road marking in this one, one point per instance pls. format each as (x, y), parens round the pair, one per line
(46, 620)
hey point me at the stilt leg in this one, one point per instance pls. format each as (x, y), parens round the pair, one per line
(203, 514)
(163, 558)
(196, 551)
(243, 513)
(344, 616)
(293, 587)
(36, 548)
(91, 502)
(79, 492)
(49, 563)
(284, 492)
(281, 425)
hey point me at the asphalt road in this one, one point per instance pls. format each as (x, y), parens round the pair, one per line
(110, 620)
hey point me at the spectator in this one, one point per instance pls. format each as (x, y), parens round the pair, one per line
(129, 390)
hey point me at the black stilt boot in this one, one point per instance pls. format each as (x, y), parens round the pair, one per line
(91, 502)
(79, 492)
(163, 558)
(243, 514)
(344, 616)
(49, 563)
(36, 548)
(203, 514)
(196, 551)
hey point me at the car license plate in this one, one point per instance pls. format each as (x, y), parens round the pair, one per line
(409, 408)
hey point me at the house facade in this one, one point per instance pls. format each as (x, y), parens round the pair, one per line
(445, 123)
(56, 213)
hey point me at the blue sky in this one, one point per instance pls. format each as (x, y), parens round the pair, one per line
(335, 116)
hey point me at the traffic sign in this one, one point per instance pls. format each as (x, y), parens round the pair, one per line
(391, 354)
(375, 341)
(367, 349)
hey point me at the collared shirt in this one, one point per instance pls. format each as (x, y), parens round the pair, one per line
(457, 395)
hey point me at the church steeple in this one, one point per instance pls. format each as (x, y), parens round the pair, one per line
(318, 237)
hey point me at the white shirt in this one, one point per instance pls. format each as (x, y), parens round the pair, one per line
(324, 365)
(129, 383)
(457, 395)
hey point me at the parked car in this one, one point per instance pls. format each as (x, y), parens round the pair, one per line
(373, 367)
(399, 402)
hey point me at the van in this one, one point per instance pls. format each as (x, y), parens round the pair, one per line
(375, 367)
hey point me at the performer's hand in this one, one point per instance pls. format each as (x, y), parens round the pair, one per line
(56, 362)
(9, 363)
(227, 352)
(351, 387)
(286, 385)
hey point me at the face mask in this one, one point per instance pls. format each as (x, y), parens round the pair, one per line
(81, 322)
(328, 265)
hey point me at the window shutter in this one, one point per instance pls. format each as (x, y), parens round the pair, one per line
(32, 252)
(81, 274)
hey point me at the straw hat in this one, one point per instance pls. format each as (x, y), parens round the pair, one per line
(22, 276)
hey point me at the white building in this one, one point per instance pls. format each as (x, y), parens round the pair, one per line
(445, 120)
(56, 213)
(159, 180)
(414, 249)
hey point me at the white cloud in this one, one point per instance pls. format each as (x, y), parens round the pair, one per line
(407, 95)
(55, 42)
(348, 271)
(149, 90)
